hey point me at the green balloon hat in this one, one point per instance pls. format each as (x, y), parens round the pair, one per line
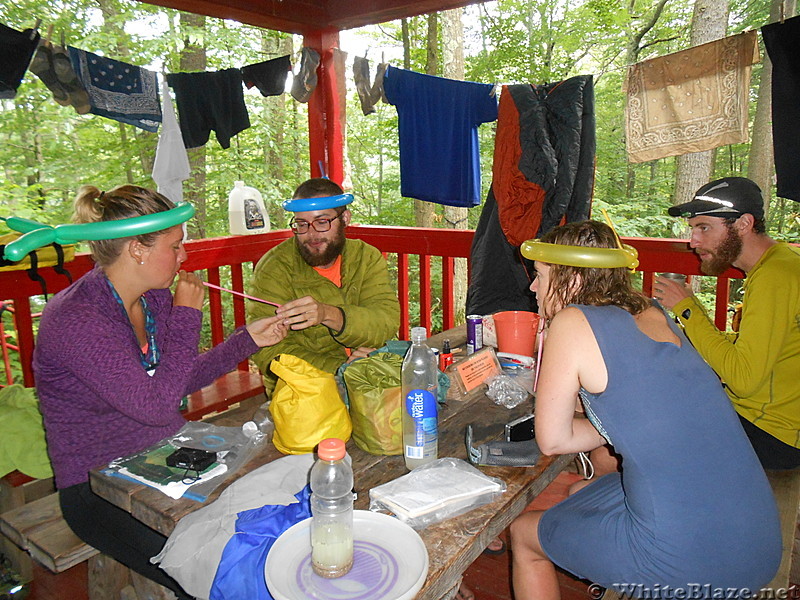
(35, 235)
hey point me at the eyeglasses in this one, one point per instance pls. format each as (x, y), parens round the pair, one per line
(320, 225)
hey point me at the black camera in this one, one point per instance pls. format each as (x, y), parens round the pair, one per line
(520, 430)
(191, 459)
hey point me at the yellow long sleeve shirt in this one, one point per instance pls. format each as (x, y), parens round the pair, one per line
(759, 366)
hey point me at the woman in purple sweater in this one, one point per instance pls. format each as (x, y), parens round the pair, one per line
(115, 353)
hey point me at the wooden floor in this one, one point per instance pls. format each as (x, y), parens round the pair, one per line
(489, 576)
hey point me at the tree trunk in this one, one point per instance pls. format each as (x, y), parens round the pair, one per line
(709, 23)
(453, 68)
(193, 58)
(424, 212)
(761, 161)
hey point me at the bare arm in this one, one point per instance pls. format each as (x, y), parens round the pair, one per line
(570, 355)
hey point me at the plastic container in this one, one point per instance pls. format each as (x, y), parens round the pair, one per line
(420, 380)
(516, 331)
(246, 212)
(331, 511)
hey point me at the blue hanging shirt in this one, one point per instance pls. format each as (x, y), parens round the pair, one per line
(438, 123)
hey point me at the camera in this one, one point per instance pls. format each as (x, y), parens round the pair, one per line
(520, 430)
(191, 459)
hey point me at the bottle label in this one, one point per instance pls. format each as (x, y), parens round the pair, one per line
(421, 406)
(252, 215)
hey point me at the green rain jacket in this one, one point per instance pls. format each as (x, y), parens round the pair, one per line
(367, 299)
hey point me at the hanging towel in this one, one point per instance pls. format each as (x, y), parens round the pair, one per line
(52, 65)
(368, 94)
(438, 125)
(171, 166)
(16, 52)
(305, 81)
(211, 100)
(268, 76)
(117, 90)
(690, 101)
(782, 41)
(195, 548)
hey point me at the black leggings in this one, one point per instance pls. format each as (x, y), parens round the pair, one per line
(116, 533)
(773, 453)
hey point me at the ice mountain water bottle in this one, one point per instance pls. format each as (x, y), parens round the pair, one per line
(331, 511)
(420, 380)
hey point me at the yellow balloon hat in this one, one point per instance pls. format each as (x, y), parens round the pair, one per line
(583, 256)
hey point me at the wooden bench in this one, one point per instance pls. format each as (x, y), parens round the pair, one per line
(39, 528)
(31, 520)
(786, 487)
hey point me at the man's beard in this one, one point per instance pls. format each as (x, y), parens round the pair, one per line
(332, 250)
(723, 257)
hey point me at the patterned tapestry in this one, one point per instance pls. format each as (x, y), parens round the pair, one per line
(690, 101)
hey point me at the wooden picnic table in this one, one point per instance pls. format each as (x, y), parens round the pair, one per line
(452, 544)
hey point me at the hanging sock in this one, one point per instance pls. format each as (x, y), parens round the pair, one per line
(117, 90)
(53, 66)
(368, 94)
(268, 76)
(16, 52)
(306, 80)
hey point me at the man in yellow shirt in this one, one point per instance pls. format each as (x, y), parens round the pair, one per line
(760, 364)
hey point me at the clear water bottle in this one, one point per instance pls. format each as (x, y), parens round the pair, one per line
(331, 511)
(420, 380)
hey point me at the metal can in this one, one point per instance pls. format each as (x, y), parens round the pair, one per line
(474, 333)
(677, 277)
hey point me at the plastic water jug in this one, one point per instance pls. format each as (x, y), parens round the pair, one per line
(246, 212)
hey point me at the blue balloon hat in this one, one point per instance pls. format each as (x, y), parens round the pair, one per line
(323, 203)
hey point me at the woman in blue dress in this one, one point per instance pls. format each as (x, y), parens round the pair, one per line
(691, 513)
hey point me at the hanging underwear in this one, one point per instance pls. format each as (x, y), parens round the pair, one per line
(206, 101)
(268, 76)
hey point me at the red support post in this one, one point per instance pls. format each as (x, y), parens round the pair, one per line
(425, 292)
(326, 109)
(448, 277)
(402, 295)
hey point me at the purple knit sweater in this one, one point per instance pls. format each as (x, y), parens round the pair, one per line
(97, 400)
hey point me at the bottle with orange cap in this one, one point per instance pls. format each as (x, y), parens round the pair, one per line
(331, 510)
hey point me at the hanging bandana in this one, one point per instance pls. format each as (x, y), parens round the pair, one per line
(150, 357)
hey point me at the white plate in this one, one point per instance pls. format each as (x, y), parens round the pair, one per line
(390, 562)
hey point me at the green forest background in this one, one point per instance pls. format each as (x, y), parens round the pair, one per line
(47, 150)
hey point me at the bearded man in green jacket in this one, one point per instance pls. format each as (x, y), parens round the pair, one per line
(334, 293)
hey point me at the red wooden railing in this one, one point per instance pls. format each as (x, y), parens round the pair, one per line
(233, 258)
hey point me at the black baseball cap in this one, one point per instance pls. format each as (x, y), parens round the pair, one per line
(726, 197)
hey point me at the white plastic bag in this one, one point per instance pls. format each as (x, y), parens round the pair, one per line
(439, 490)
